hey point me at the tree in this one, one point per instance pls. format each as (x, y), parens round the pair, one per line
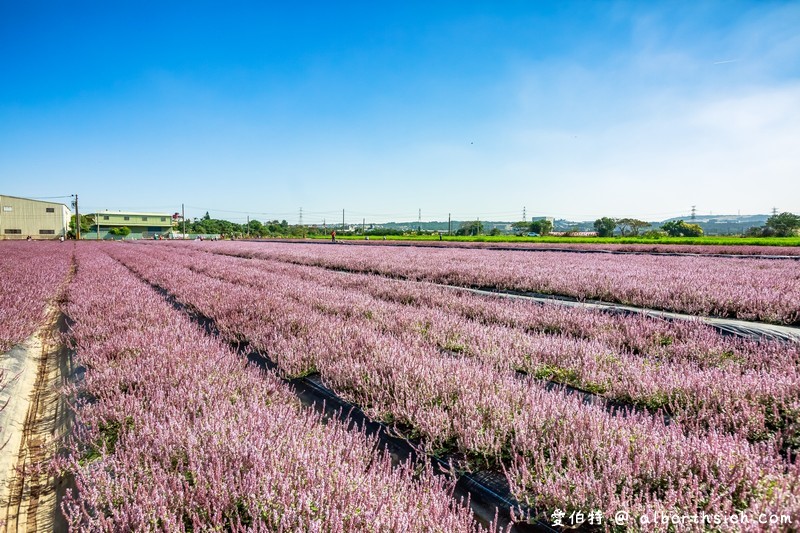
(673, 227)
(784, 225)
(494, 232)
(637, 225)
(213, 226)
(679, 228)
(523, 226)
(605, 226)
(87, 222)
(123, 231)
(542, 227)
(255, 228)
(759, 231)
(473, 227)
(631, 226)
(692, 230)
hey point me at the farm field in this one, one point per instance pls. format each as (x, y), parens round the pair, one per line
(707, 245)
(623, 417)
(32, 275)
(749, 289)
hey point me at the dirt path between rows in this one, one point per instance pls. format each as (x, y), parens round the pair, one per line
(33, 424)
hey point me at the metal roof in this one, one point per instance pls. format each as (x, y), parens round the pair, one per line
(32, 200)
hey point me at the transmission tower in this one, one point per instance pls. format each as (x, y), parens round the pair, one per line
(774, 211)
(694, 211)
(301, 217)
(524, 214)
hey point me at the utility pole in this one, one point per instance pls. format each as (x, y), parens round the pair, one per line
(183, 219)
(324, 225)
(694, 211)
(77, 219)
(342, 219)
(363, 226)
(98, 226)
(419, 221)
(448, 223)
(248, 226)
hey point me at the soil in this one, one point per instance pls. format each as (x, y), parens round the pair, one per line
(34, 422)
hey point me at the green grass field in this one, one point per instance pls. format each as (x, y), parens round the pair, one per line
(716, 241)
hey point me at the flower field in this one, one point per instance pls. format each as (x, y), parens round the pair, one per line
(749, 289)
(177, 433)
(774, 248)
(577, 409)
(32, 274)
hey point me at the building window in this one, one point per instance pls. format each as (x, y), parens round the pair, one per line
(126, 218)
(163, 219)
(47, 232)
(144, 219)
(13, 232)
(50, 209)
(105, 217)
(7, 208)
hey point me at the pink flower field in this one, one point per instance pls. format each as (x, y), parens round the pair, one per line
(573, 409)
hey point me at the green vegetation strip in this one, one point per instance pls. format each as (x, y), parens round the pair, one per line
(711, 241)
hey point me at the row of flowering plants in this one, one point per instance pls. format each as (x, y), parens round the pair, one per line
(557, 451)
(175, 432)
(588, 247)
(696, 376)
(31, 274)
(749, 289)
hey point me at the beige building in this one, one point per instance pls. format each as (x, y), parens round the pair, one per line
(21, 218)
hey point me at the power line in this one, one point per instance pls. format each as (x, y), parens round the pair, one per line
(45, 197)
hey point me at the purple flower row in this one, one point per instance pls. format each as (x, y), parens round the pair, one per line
(31, 273)
(700, 378)
(176, 432)
(557, 451)
(749, 289)
(654, 248)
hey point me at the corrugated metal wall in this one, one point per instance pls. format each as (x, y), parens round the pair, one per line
(21, 218)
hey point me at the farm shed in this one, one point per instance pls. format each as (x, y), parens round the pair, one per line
(21, 218)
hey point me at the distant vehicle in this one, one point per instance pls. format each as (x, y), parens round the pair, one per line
(533, 234)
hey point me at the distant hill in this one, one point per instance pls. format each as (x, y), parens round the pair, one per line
(758, 220)
(711, 224)
(725, 224)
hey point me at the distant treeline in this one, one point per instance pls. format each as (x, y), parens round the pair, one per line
(778, 225)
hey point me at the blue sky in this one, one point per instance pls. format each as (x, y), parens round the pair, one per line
(574, 110)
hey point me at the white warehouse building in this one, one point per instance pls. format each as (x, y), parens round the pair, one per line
(21, 218)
